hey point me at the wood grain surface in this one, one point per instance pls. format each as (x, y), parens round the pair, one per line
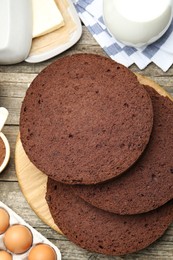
(14, 81)
(33, 185)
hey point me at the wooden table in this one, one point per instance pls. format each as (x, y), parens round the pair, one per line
(14, 81)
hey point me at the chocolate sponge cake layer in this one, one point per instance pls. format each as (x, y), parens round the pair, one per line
(85, 119)
(100, 231)
(149, 183)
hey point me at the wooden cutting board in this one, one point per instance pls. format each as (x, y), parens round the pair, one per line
(33, 182)
(33, 185)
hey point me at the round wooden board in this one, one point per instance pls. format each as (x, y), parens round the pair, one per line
(33, 185)
(33, 182)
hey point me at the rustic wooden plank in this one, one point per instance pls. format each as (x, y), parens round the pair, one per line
(16, 77)
(86, 44)
(13, 87)
(14, 81)
(13, 105)
(13, 95)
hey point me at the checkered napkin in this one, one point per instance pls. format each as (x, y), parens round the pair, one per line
(160, 52)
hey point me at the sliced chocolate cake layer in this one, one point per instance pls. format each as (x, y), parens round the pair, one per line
(100, 231)
(85, 119)
(149, 183)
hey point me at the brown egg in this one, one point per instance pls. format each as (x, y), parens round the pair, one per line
(4, 255)
(4, 220)
(42, 252)
(18, 239)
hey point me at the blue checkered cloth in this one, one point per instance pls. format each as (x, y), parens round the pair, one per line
(160, 52)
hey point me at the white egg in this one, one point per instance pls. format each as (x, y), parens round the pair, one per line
(137, 22)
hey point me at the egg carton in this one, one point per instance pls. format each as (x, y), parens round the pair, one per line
(37, 237)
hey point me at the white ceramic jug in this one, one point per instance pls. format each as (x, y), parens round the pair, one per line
(137, 22)
(15, 30)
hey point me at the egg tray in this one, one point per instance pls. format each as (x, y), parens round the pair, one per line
(37, 237)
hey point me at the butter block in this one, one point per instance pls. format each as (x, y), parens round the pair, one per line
(46, 17)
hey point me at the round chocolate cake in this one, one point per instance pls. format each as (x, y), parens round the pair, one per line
(85, 119)
(100, 231)
(149, 183)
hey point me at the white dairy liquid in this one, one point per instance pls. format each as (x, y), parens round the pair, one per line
(137, 22)
(141, 10)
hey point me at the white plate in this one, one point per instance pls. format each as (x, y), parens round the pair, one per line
(40, 53)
